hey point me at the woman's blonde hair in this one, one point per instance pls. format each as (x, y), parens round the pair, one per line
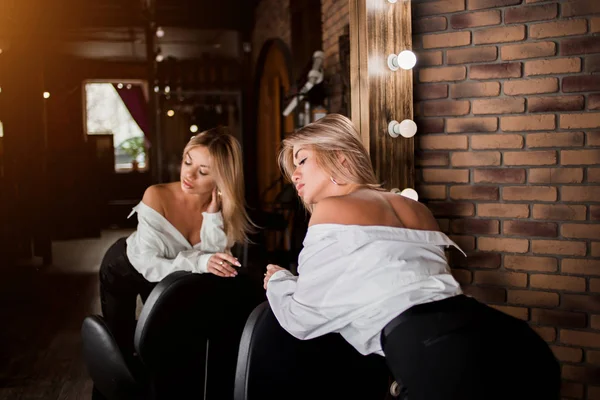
(228, 172)
(330, 137)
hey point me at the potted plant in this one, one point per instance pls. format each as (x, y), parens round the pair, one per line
(134, 147)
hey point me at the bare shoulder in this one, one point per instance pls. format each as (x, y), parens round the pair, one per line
(156, 196)
(413, 214)
(337, 210)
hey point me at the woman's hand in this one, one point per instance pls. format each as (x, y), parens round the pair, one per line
(271, 269)
(220, 264)
(215, 204)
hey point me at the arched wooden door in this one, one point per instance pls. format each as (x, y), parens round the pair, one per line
(271, 125)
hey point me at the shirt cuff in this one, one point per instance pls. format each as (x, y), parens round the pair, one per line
(215, 218)
(282, 274)
(203, 263)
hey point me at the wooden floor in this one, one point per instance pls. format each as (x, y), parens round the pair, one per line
(41, 310)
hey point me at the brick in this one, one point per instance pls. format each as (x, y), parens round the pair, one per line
(461, 125)
(588, 374)
(555, 139)
(499, 175)
(470, 55)
(507, 141)
(496, 71)
(474, 158)
(503, 210)
(432, 192)
(438, 7)
(517, 312)
(579, 121)
(558, 247)
(559, 212)
(475, 19)
(595, 25)
(431, 159)
(426, 25)
(486, 294)
(444, 225)
(575, 8)
(530, 228)
(484, 89)
(580, 194)
(444, 74)
(580, 157)
(581, 267)
(555, 175)
(469, 192)
(463, 276)
(445, 175)
(579, 338)
(593, 175)
(593, 138)
(466, 243)
(581, 302)
(555, 103)
(530, 263)
(500, 278)
(557, 282)
(592, 63)
(531, 86)
(594, 102)
(499, 35)
(527, 123)
(476, 260)
(542, 157)
(584, 45)
(558, 318)
(546, 333)
(452, 209)
(595, 320)
(499, 106)
(581, 83)
(553, 67)
(503, 244)
(528, 50)
(596, 251)
(593, 357)
(580, 231)
(446, 107)
(480, 4)
(532, 13)
(529, 193)
(443, 142)
(445, 40)
(428, 58)
(568, 354)
(532, 298)
(430, 125)
(429, 92)
(558, 29)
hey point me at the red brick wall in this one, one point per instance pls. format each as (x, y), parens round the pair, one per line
(335, 18)
(507, 99)
(272, 20)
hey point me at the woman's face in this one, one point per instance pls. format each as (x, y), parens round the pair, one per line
(196, 171)
(310, 180)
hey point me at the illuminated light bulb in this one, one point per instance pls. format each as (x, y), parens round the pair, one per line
(120, 86)
(159, 57)
(406, 128)
(156, 89)
(170, 113)
(167, 89)
(194, 128)
(160, 32)
(46, 95)
(129, 86)
(405, 60)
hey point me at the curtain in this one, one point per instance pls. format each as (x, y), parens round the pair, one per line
(136, 104)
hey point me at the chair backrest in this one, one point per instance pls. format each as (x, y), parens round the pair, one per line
(272, 364)
(181, 313)
(108, 369)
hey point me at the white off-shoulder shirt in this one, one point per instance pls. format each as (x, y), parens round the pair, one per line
(355, 279)
(157, 248)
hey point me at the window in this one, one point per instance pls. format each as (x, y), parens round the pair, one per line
(108, 114)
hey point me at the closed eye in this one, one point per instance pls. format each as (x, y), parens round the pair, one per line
(302, 162)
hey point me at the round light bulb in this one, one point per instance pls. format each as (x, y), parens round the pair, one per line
(407, 59)
(46, 95)
(129, 86)
(160, 32)
(159, 57)
(406, 128)
(194, 128)
(156, 89)
(410, 193)
(170, 113)
(120, 86)
(167, 89)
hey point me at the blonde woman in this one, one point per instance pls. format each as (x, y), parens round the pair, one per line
(373, 269)
(189, 225)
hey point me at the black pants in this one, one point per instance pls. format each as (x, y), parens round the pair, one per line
(120, 284)
(459, 348)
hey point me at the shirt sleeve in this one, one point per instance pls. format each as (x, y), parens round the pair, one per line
(148, 252)
(302, 303)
